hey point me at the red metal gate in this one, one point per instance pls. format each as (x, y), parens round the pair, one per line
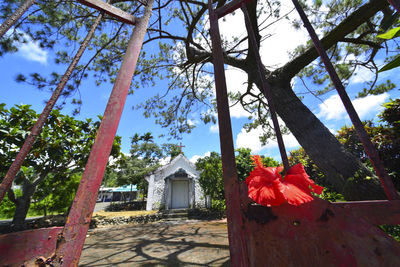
(318, 233)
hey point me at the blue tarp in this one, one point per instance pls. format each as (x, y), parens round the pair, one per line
(124, 188)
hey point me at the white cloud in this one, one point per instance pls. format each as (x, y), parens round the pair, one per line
(236, 82)
(251, 140)
(31, 50)
(196, 157)
(361, 75)
(193, 122)
(333, 109)
(164, 161)
(214, 128)
(274, 50)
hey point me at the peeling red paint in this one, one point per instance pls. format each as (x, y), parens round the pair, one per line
(25, 247)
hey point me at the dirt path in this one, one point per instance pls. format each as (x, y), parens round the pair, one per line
(186, 243)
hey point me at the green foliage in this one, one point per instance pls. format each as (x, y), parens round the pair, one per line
(391, 65)
(144, 158)
(392, 230)
(211, 173)
(377, 89)
(51, 171)
(386, 138)
(211, 176)
(55, 198)
(180, 49)
(218, 204)
(391, 34)
(7, 207)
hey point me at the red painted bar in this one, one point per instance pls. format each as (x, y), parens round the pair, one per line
(377, 212)
(25, 247)
(79, 217)
(230, 7)
(6, 25)
(236, 236)
(110, 10)
(318, 233)
(37, 129)
(387, 184)
(266, 88)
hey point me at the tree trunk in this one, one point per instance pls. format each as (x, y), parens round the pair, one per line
(22, 206)
(321, 145)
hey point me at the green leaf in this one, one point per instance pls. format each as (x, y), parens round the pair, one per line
(391, 65)
(393, 33)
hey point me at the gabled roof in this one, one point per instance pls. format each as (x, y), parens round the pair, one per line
(178, 158)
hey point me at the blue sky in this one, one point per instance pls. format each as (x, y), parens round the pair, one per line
(204, 138)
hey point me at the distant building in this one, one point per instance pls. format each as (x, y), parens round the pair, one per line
(175, 186)
(122, 193)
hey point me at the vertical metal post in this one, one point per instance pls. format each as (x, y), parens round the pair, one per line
(36, 130)
(6, 25)
(237, 242)
(78, 221)
(387, 184)
(266, 88)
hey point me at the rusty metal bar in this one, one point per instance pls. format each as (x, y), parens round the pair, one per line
(110, 10)
(6, 25)
(395, 4)
(237, 242)
(266, 87)
(26, 147)
(23, 248)
(79, 217)
(387, 184)
(230, 7)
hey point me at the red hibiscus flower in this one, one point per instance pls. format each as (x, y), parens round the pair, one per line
(266, 186)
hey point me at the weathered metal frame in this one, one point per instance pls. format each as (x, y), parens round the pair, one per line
(37, 128)
(386, 182)
(236, 235)
(370, 212)
(110, 10)
(103, 8)
(78, 221)
(66, 245)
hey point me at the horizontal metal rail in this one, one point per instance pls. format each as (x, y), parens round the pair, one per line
(110, 10)
(230, 7)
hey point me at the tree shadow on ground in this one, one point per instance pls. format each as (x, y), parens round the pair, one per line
(158, 244)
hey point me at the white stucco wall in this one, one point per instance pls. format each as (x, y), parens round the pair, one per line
(156, 195)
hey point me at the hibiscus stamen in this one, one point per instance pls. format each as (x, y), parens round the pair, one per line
(257, 161)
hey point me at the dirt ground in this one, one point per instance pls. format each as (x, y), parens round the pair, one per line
(182, 243)
(112, 214)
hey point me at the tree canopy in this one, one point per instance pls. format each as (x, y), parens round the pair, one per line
(211, 173)
(177, 48)
(385, 137)
(145, 157)
(59, 154)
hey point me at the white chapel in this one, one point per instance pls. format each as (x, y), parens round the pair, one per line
(175, 186)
